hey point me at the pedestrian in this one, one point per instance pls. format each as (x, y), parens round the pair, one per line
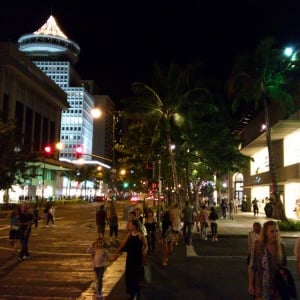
(255, 207)
(297, 254)
(213, 217)
(26, 220)
(14, 232)
(135, 245)
(204, 222)
(113, 222)
(101, 219)
(100, 258)
(253, 236)
(236, 205)
(268, 257)
(231, 209)
(151, 224)
(36, 216)
(188, 221)
(166, 238)
(176, 222)
(224, 207)
(50, 215)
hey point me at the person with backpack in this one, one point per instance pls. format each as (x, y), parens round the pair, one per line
(213, 217)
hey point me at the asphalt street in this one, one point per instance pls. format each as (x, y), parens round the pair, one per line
(59, 267)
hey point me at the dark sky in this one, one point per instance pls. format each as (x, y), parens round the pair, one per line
(120, 40)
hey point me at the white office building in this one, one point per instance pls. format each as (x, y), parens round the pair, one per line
(55, 54)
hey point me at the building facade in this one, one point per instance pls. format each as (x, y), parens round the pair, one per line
(285, 133)
(55, 54)
(28, 96)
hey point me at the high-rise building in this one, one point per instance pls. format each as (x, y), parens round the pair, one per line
(35, 103)
(55, 54)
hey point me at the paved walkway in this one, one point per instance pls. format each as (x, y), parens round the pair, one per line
(240, 226)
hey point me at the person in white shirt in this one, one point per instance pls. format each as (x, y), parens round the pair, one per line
(252, 238)
(100, 256)
(176, 216)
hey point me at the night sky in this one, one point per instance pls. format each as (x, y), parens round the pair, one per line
(120, 40)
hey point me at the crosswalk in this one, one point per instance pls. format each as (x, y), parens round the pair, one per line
(111, 277)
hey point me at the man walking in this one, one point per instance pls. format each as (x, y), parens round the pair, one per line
(255, 206)
(101, 219)
(26, 220)
(188, 221)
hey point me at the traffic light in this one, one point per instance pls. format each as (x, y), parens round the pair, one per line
(149, 168)
(79, 151)
(125, 184)
(48, 150)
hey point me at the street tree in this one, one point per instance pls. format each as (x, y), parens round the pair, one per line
(260, 80)
(15, 167)
(166, 104)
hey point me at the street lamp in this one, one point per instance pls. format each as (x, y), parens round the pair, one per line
(96, 113)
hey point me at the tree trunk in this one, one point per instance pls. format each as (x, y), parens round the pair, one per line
(278, 209)
(173, 168)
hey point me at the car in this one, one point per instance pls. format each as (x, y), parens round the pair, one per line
(99, 199)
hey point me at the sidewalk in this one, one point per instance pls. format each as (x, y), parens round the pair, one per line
(114, 285)
(242, 224)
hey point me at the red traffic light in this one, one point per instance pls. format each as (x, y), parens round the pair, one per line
(79, 151)
(48, 150)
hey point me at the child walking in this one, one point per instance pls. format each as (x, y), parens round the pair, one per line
(99, 258)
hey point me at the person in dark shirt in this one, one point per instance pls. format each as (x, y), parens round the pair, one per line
(26, 220)
(101, 219)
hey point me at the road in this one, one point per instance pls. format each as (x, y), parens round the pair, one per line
(59, 267)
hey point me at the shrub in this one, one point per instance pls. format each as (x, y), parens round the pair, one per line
(289, 225)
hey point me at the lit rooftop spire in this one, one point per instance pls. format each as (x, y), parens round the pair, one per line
(51, 28)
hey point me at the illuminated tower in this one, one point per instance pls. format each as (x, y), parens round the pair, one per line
(55, 54)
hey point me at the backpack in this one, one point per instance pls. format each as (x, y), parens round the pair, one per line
(213, 216)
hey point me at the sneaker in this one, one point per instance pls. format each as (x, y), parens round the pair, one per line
(25, 257)
(20, 259)
(216, 239)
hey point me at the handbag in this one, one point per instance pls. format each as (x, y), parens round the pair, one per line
(285, 284)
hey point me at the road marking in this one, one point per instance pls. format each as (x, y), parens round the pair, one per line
(190, 251)
(51, 253)
(291, 258)
(111, 277)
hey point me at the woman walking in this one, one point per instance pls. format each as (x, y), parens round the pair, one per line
(213, 217)
(267, 265)
(150, 224)
(135, 245)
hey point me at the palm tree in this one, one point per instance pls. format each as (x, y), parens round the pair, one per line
(260, 81)
(166, 105)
